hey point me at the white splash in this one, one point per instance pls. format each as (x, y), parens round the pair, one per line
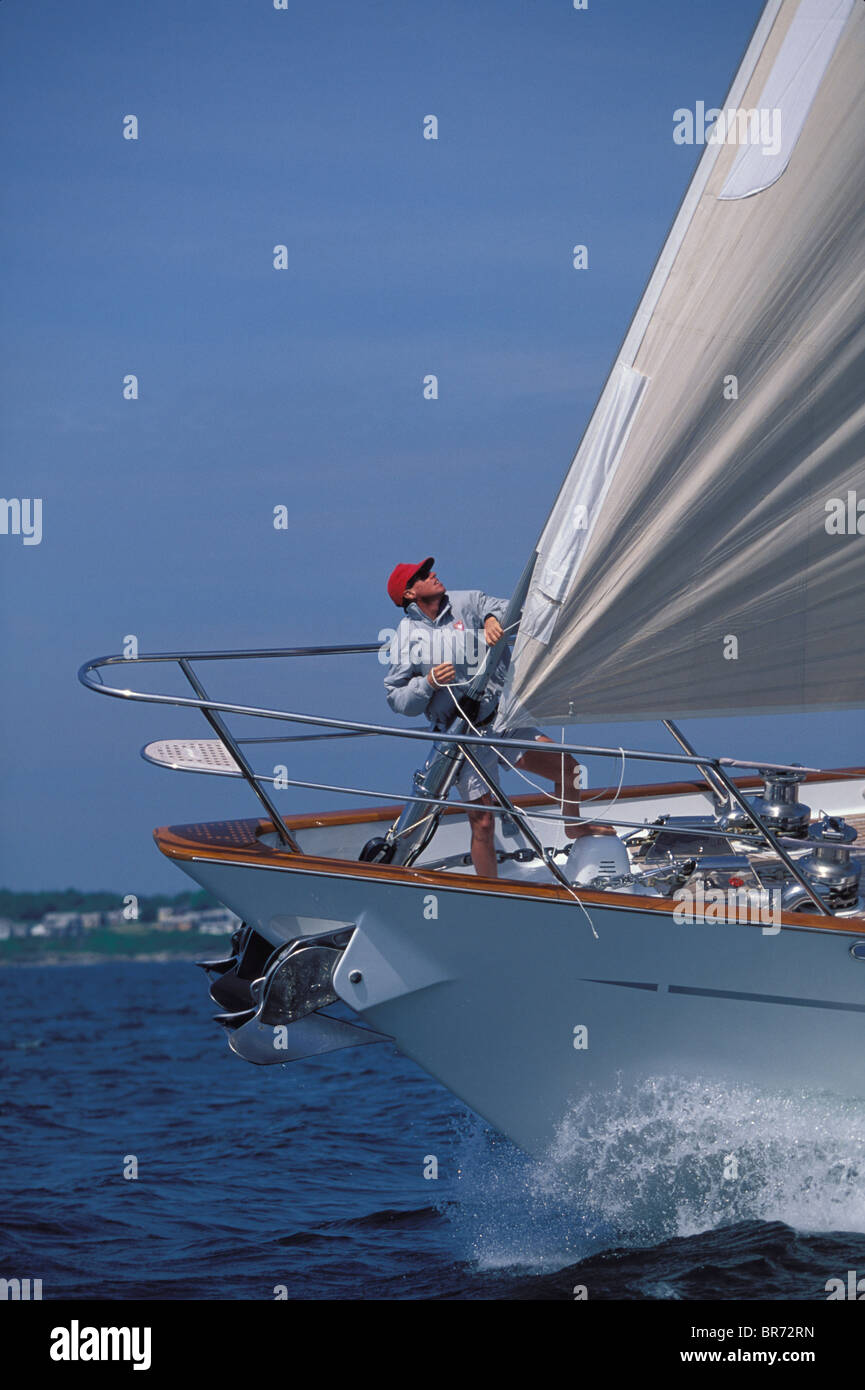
(671, 1157)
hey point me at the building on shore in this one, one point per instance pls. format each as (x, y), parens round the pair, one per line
(216, 921)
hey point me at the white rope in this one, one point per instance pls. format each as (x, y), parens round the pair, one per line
(568, 886)
(528, 780)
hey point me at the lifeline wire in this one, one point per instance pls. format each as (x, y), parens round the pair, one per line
(570, 887)
(528, 781)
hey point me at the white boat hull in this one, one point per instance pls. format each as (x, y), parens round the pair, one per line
(519, 1009)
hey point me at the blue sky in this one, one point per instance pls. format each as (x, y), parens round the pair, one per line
(303, 387)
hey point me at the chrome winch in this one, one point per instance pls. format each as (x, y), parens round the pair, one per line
(829, 867)
(778, 807)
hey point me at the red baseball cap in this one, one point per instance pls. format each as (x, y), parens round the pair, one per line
(401, 578)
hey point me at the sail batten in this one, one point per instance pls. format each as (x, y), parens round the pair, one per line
(704, 555)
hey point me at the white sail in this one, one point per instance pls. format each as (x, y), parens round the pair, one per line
(706, 554)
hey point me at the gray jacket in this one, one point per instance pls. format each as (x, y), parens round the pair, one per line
(455, 635)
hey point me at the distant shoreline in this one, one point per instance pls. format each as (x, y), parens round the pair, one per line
(98, 958)
(140, 944)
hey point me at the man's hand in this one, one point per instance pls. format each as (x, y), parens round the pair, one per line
(441, 675)
(493, 630)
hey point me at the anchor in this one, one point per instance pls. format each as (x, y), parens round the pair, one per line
(284, 1023)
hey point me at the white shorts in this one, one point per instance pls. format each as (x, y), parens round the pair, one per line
(470, 787)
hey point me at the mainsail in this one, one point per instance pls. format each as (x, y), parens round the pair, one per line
(706, 553)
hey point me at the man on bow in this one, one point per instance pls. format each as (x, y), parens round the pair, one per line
(438, 646)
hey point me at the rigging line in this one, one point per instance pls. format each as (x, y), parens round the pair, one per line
(414, 825)
(554, 874)
(534, 785)
(557, 873)
(562, 779)
(602, 793)
(482, 664)
(618, 789)
(299, 738)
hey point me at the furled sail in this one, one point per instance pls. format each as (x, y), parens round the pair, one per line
(706, 554)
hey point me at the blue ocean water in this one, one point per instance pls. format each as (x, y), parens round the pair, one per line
(308, 1179)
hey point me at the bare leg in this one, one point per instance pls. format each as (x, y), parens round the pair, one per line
(483, 839)
(561, 770)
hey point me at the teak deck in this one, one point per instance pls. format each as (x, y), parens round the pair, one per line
(239, 842)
